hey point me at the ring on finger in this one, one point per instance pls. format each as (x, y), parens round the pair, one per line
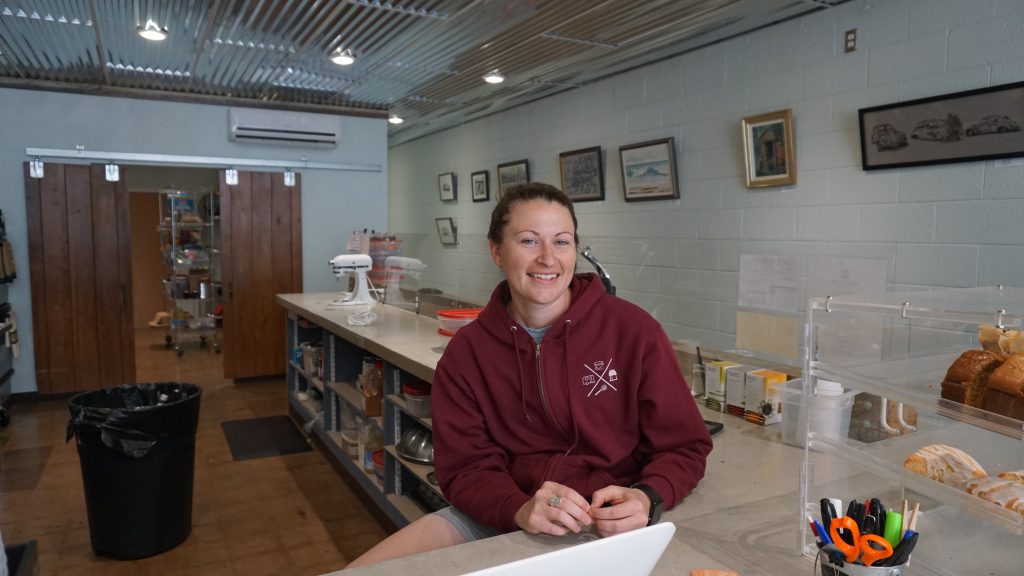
(555, 501)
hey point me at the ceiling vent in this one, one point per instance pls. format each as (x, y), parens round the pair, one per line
(253, 125)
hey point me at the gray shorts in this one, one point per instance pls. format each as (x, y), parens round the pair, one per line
(470, 529)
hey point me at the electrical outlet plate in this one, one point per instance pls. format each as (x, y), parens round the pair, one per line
(850, 40)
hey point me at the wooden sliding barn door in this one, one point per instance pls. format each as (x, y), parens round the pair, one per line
(80, 265)
(261, 239)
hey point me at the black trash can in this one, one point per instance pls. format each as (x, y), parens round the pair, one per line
(137, 445)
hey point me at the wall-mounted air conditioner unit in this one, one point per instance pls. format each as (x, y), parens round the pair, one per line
(258, 126)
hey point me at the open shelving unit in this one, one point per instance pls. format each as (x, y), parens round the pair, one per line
(400, 494)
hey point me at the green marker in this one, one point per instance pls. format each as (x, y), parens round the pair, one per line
(893, 527)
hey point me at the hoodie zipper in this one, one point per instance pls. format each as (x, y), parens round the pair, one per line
(543, 396)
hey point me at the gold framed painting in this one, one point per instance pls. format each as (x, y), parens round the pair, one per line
(769, 149)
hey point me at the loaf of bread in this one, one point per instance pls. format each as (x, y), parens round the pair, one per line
(945, 464)
(967, 378)
(1006, 493)
(1005, 391)
(1015, 475)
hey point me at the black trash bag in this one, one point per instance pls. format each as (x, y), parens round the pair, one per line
(136, 447)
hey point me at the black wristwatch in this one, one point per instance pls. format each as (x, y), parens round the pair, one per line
(656, 503)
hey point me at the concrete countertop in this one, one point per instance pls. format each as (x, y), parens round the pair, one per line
(742, 516)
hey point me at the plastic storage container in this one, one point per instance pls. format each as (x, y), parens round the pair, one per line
(417, 398)
(831, 413)
(136, 447)
(454, 319)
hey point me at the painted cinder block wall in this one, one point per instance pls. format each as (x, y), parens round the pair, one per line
(953, 225)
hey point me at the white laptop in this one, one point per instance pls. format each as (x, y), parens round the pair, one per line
(631, 554)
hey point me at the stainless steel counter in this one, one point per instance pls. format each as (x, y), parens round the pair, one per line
(741, 517)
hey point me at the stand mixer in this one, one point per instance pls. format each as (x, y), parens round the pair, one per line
(360, 264)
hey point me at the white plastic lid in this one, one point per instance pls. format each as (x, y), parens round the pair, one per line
(828, 388)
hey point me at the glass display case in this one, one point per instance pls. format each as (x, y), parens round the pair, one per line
(899, 346)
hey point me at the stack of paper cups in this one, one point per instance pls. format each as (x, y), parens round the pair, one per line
(825, 410)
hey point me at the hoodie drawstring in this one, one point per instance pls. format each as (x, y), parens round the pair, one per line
(519, 364)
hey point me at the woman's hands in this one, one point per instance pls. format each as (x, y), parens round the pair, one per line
(618, 509)
(555, 509)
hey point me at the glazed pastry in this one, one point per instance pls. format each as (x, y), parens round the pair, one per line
(988, 338)
(945, 464)
(1005, 392)
(967, 378)
(1005, 493)
(1011, 342)
(1015, 475)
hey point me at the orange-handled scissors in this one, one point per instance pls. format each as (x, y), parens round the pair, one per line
(868, 548)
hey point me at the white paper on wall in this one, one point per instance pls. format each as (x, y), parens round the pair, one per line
(770, 282)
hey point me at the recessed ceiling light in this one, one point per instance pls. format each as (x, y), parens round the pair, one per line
(152, 31)
(396, 119)
(494, 77)
(343, 57)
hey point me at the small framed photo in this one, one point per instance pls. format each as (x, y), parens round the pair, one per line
(446, 187)
(582, 176)
(512, 173)
(979, 124)
(649, 170)
(446, 231)
(481, 182)
(768, 149)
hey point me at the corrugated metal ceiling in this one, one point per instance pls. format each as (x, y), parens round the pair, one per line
(421, 59)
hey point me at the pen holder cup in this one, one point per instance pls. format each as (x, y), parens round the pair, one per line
(828, 569)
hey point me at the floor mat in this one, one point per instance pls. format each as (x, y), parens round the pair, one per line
(262, 437)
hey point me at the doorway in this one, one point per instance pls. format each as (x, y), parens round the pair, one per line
(81, 249)
(175, 298)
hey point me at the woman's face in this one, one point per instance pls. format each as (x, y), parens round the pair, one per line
(538, 256)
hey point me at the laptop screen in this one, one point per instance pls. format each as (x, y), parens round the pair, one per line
(631, 554)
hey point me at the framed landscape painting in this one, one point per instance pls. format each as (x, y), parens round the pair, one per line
(649, 170)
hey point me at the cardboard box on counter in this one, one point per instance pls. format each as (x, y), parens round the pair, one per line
(764, 396)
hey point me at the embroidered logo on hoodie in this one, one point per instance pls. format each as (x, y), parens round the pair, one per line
(601, 377)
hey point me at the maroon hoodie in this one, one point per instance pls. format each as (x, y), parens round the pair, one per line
(601, 401)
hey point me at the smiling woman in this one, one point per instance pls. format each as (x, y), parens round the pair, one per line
(560, 406)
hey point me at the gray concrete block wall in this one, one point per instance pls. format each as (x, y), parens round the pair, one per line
(953, 225)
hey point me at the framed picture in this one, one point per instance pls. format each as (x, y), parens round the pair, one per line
(446, 187)
(582, 176)
(446, 231)
(512, 173)
(649, 170)
(965, 126)
(481, 182)
(768, 149)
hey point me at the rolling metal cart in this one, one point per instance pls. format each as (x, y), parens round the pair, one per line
(188, 237)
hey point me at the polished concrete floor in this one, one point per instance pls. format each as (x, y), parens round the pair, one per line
(277, 515)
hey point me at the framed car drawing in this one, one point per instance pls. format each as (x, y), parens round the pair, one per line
(512, 173)
(446, 231)
(446, 187)
(769, 149)
(582, 176)
(966, 126)
(649, 170)
(481, 185)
